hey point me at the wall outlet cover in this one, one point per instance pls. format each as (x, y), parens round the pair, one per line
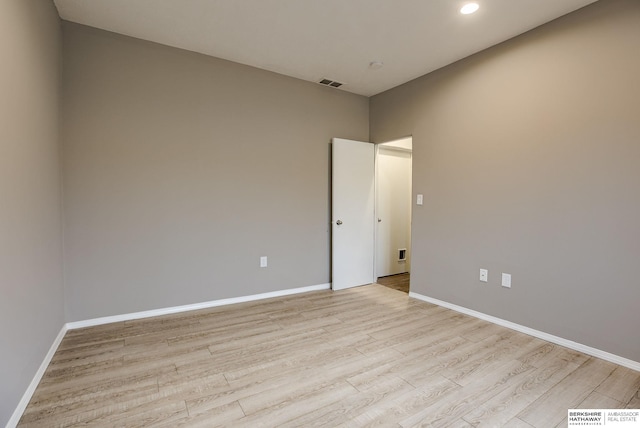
(506, 280)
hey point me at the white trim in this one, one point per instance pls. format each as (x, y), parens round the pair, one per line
(634, 365)
(26, 397)
(192, 307)
(395, 148)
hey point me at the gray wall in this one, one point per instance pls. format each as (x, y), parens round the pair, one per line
(31, 293)
(528, 155)
(181, 170)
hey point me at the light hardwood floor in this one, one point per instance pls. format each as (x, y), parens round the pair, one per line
(360, 357)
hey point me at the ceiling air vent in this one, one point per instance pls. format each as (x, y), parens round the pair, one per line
(331, 83)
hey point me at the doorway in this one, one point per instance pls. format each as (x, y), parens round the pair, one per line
(393, 213)
(370, 212)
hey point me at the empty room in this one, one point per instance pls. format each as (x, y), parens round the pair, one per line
(194, 213)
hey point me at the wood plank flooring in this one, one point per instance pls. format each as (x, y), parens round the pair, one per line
(359, 357)
(398, 282)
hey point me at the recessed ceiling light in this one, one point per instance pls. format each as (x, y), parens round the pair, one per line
(376, 65)
(469, 8)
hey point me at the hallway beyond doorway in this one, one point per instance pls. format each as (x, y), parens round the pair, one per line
(398, 282)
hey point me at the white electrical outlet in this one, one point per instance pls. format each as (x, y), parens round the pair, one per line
(506, 280)
(484, 275)
(263, 261)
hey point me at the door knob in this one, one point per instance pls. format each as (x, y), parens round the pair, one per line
(339, 222)
(379, 220)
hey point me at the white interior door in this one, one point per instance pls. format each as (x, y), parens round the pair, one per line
(353, 211)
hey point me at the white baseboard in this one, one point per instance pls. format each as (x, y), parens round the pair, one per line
(26, 397)
(634, 365)
(193, 307)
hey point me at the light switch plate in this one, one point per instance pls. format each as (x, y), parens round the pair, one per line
(484, 275)
(419, 200)
(263, 261)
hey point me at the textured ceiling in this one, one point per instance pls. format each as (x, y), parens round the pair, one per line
(334, 39)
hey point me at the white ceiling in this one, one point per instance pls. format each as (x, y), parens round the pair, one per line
(314, 39)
